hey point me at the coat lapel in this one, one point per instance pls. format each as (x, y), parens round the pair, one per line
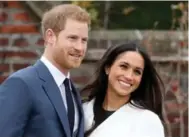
(53, 92)
(119, 121)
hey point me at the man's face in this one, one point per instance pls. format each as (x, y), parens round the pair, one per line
(69, 46)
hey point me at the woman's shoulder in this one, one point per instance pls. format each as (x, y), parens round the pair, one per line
(151, 119)
(88, 103)
(147, 114)
(88, 113)
(146, 119)
(144, 115)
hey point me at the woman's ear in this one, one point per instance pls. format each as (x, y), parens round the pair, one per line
(107, 70)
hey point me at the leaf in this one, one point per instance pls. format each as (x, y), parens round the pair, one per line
(83, 4)
(93, 13)
(128, 10)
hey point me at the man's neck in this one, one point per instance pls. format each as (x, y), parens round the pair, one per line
(64, 71)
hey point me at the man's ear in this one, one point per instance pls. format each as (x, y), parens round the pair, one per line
(50, 36)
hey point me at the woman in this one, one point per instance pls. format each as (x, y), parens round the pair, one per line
(126, 95)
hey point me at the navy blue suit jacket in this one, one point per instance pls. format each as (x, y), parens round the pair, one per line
(31, 105)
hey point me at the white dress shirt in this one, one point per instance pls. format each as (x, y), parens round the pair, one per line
(59, 78)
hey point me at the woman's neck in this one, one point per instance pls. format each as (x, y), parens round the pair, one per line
(113, 102)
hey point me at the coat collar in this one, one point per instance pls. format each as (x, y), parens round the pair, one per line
(53, 92)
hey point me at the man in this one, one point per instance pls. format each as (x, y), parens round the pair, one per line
(40, 100)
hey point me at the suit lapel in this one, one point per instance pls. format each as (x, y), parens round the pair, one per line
(53, 92)
(80, 110)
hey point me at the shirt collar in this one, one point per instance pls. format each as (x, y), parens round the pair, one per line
(58, 76)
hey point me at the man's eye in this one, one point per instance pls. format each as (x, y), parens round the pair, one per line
(73, 38)
(124, 66)
(84, 40)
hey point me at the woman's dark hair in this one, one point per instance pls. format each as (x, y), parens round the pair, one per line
(149, 94)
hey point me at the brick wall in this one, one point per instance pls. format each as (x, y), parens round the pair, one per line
(21, 45)
(20, 40)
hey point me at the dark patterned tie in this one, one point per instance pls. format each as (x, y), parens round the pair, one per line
(70, 104)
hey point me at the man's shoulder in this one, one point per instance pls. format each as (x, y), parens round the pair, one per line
(24, 74)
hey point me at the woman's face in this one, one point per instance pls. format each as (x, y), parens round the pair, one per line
(125, 74)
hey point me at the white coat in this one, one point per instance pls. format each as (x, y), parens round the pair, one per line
(128, 121)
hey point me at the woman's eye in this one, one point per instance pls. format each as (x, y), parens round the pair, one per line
(138, 72)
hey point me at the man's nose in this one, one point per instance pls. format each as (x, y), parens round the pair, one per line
(79, 46)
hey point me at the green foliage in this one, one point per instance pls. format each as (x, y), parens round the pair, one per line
(141, 15)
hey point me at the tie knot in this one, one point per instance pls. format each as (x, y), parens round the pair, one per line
(66, 82)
